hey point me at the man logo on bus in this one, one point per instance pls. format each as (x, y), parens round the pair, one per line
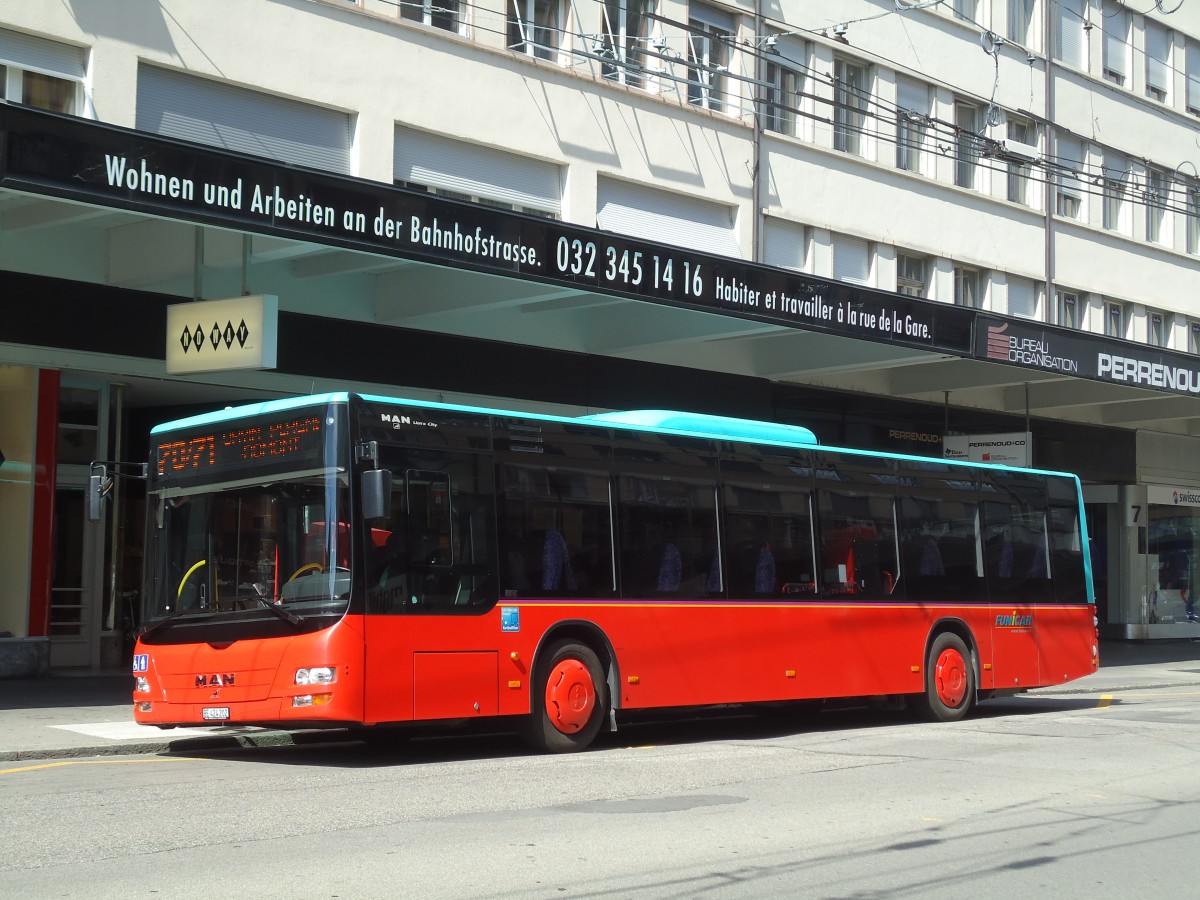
(1014, 621)
(214, 680)
(394, 420)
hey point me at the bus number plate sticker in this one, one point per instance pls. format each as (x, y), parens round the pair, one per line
(510, 618)
(215, 712)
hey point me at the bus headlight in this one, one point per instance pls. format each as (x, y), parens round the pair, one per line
(316, 675)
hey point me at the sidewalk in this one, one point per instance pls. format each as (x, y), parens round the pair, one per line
(66, 716)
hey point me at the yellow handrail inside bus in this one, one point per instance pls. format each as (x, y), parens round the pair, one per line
(307, 567)
(186, 576)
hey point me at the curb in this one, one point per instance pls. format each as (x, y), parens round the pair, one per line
(180, 745)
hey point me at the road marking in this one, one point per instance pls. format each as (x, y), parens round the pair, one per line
(95, 762)
(124, 730)
(1105, 701)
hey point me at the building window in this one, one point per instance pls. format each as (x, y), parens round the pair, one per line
(41, 73)
(781, 98)
(1157, 187)
(710, 34)
(1194, 338)
(1020, 22)
(966, 130)
(911, 274)
(1022, 297)
(1116, 42)
(1068, 200)
(1067, 309)
(625, 31)
(1023, 132)
(851, 259)
(1158, 62)
(851, 94)
(786, 244)
(967, 283)
(1156, 333)
(1193, 217)
(1114, 325)
(442, 14)
(535, 27)
(1071, 39)
(1192, 62)
(912, 124)
(967, 9)
(1116, 183)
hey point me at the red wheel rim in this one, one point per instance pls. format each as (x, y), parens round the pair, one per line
(570, 696)
(950, 678)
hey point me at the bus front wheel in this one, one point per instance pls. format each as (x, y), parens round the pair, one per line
(949, 679)
(570, 699)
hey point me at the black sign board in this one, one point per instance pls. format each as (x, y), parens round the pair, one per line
(1047, 348)
(67, 157)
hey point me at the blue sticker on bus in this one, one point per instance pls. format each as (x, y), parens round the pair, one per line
(141, 662)
(510, 618)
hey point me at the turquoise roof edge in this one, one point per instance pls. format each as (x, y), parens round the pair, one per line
(251, 409)
(708, 425)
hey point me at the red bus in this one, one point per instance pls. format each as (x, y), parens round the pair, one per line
(346, 560)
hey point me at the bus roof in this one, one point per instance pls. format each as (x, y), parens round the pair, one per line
(659, 421)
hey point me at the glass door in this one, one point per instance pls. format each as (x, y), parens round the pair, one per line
(77, 591)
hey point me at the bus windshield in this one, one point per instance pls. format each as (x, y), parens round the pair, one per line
(243, 551)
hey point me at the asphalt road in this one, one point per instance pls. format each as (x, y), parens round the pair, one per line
(1063, 796)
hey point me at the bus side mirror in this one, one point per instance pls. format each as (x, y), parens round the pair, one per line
(95, 497)
(377, 494)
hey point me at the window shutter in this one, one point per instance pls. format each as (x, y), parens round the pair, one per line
(49, 57)
(785, 244)
(912, 96)
(674, 219)
(1070, 32)
(223, 115)
(1116, 40)
(1070, 160)
(1158, 54)
(441, 162)
(1193, 76)
(851, 259)
(1022, 297)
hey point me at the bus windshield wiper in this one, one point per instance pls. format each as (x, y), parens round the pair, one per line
(260, 594)
(286, 614)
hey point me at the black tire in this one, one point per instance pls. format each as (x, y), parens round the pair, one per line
(569, 701)
(949, 679)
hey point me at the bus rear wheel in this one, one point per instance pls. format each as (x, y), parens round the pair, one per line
(570, 699)
(949, 679)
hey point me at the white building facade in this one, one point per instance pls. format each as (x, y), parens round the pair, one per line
(1034, 162)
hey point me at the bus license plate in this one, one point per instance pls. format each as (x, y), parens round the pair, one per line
(215, 712)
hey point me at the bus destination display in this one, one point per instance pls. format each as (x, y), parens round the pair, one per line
(294, 442)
